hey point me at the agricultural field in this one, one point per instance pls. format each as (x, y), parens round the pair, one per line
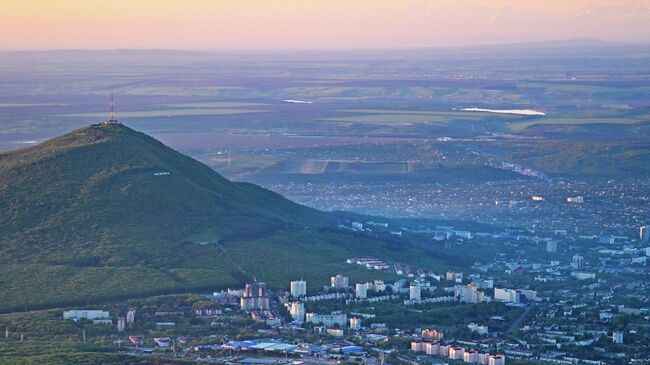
(325, 118)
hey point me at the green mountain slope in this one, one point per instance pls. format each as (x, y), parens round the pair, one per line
(106, 211)
(109, 184)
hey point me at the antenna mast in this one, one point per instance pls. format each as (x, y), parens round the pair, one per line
(112, 106)
(111, 117)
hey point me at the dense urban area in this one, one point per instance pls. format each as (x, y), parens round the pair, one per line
(552, 295)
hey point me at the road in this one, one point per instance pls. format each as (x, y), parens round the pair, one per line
(515, 325)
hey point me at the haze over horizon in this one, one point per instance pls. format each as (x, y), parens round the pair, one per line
(293, 24)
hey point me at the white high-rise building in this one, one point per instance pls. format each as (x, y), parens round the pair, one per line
(121, 324)
(469, 294)
(577, 261)
(130, 316)
(507, 295)
(644, 233)
(339, 281)
(297, 311)
(361, 290)
(355, 323)
(415, 292)
(298, 288)
(254, 297)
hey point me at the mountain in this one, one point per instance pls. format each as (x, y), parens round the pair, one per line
(67, 179)
(109, 212)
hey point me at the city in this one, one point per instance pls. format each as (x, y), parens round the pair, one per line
(565, 302)
(436, 182)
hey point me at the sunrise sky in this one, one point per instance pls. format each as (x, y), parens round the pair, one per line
(285, 24)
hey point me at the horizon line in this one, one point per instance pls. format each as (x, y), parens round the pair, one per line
(311, 49)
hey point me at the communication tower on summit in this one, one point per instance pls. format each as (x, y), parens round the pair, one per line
(111, 118)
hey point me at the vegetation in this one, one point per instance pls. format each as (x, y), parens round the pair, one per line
(107, 213)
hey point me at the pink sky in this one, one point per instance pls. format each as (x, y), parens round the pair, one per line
(272, 24)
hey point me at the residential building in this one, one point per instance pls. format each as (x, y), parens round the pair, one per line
(463, 234)
(417, 346)
(456, 353)
(298, 288)
(339, 282)
(617, 337)
(507, 295)
(297, 311)
(497, 359)
(432, 334)
(254, 297)
(583, 275)
(443, 350)
(361, 290)
(328, 320)
(468, 294)
(130, 316)
(484, 283)
(454, 276)
(415, 292)
(378, 286)
(431, 348)
(103, 321)
(575, 200)
(90, 314)
(577, 261)
(137, 340)
(478, 328)
(162, 342)
(470, 356)
(335, 332)
(355, 323)
(121, 324)
(529, 294)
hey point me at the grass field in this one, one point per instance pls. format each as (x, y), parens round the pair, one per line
(215, 104)
(445, 113)
(520, 126)
(27, 105)
(392, 119)
(569, 87)
(183, 91)
(168, 113)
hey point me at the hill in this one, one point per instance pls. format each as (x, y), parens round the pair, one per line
(108, 212)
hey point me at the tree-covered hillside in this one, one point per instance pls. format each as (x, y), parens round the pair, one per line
(106, 212)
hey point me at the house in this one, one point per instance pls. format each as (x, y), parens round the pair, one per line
(162, 342)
